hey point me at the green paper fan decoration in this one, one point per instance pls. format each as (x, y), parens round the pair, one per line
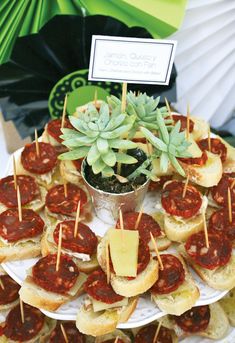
(22, 17)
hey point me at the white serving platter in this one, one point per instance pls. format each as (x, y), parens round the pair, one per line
(230, 338)
(146, 310)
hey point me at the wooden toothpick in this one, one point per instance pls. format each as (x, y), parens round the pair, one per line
(116, 339)
(139, 218)
(65, 188)
(205, 229)
(121, 219)
(230, 214)
(22, 310)
(59, 249)
(209, 139)
(64, 333)
(233, 184)
(168, 108)
(1, 284)
(19, 204)
(77, 219)
(188, 122)
(124, 91)
(36, 142)
(157, 332)
(64, 111)
(156, 250)
(14, 172)
(185, 186)
(107, 261)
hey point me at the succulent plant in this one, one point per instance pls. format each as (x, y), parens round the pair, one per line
(99, 138)
(144, 108)
(168, 145)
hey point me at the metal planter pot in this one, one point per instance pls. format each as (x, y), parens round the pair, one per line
(107, 204)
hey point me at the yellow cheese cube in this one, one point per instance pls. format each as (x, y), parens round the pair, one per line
(124, 246)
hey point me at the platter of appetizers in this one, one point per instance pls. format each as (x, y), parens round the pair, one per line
(165, 254)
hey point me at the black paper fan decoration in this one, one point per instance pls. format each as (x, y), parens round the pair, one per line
(40, 60)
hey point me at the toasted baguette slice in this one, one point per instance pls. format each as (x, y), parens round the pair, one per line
(51, 217)
(46, 138)
(228, 305)
(45, 180)
(49, 248)
(83, 108)
(122, 285)
(162, 320)
(20, 250)
(178, 230)
(162, 242)
(222, 278)
(70, 173)
(229, 164)
(180, 300)
(103, 322)
(9, 306)
(41, 337)
(35, 205)
(201, 128)
(207, 175)
(36, 296)
(217, 328)
(113, 335)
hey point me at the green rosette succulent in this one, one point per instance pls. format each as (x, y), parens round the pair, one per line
(144, 108)
(99, 138)
(168, 145)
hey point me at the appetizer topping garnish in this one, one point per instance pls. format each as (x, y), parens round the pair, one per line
(171, 277)
(78, 164)
(153, 186)
(13, 230)
(200, 161)
(183, 122)
(72, 333)
(147, 335)
(219, 223)
(217, 255)
(28, 190)
(175, 204)
(16, 330)
(41, 163)
(9, 290)
(45, 275)
(146, 225)
(217, 147)
(58, 202)
(98, 288)
(194, 320)
(85, 242)
(54, 128)
(220, 192)
(143, 258)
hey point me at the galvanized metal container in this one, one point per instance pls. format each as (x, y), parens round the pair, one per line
(107, 204)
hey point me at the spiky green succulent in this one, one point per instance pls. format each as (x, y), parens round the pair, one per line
(99, 138)
(168, 145)
(144, 108)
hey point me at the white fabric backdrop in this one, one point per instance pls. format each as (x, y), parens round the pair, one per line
(205, 60)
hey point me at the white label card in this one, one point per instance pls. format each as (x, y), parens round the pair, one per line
(131, 60)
